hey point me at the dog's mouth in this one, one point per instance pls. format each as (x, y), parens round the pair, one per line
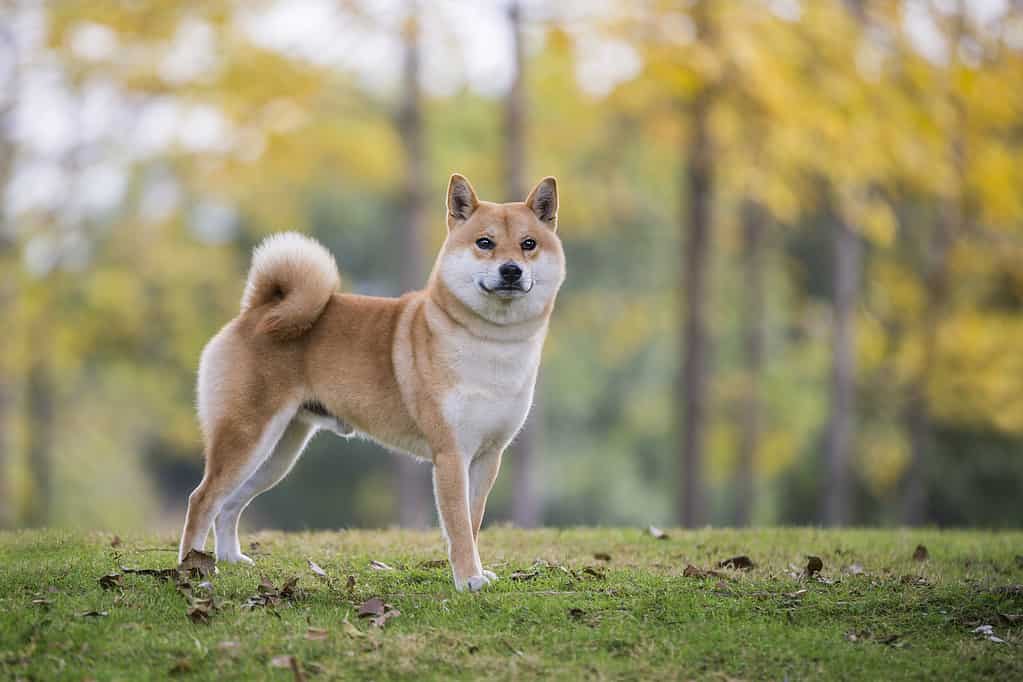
(504, 290)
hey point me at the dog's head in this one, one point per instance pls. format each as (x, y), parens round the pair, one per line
(503, 261)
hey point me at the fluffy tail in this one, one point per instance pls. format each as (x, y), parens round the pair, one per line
(293, 275)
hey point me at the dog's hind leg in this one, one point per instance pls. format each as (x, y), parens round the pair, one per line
(270, 473)
(234, 452)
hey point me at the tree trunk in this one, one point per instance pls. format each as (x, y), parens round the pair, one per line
(412, 477)
(696, 257)
(754, 252)
(846, 284)
(525, 506)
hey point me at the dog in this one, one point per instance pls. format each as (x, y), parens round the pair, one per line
(444, 374)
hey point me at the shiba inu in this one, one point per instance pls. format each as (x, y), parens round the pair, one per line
(445, 374)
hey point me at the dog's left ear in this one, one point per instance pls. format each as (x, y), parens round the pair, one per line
(462, 201)
(543, 201)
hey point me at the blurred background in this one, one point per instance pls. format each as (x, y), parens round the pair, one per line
(794, 232)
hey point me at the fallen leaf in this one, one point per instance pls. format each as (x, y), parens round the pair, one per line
(522, 576)
(110, 581)
(377, 611)
(434, 563)
(595, 572)
(180, 667)
(854, 569)
(116, 541)
(657, 533)
(288, 590)
(159, 573)
(371, 607)
(350, 583)
(200, 611)
(602, 556)
(694, 572)
(920, 553)
(575, 613)
(316, 634)
(199, 564)
(738, 563)
(315, 568)
(814, 565)
(93, 614)
(380, 566)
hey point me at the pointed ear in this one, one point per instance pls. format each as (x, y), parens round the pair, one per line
(462, 201)
(543, 201)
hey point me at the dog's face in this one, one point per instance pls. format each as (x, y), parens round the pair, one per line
(503, 261)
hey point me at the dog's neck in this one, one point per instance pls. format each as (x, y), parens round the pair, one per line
(446, 305)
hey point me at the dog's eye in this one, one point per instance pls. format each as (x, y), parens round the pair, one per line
(485, 243)
(528, 244)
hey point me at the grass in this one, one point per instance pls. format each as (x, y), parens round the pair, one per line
(635, 616)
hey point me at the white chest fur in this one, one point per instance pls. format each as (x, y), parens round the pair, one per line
(493, 389)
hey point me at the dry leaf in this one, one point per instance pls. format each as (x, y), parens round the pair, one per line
(350, 583)
(738, 563)
(200, 611)
(814, 565)
(93, 614)
(160, 573)
(380, 566)
(602, 556)
(116, 541)
(315, 568)
(180, 667)
(920, 553)
(657, 533)
(377, 611)
(110, 581)
(694, 572)
(522, 576)
(575, 613)
(199, 564)
(316, 634)
(594, 572)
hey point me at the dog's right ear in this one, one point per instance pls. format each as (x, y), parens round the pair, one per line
(462, 201)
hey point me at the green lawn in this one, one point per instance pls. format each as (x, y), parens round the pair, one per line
(873, 612)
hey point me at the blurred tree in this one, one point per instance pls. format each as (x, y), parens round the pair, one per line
(413, 478)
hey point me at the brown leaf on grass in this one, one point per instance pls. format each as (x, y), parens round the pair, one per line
(434, 563)
(522, 576)
(198, 564)
(110, 581)
(694, 572)
(93, 614)
(158, 573)
(115, 541)
(920, 553)
(380, 566)
(316, 634)
(180, 667)
(377, 611)
(200, 611)
(576, 613)
(657, 533)
(269, 595)
(350, 583)
(602, 556)
(317, 571)
(595, 572)
(288, 590)
(738, 563)
(814, 565)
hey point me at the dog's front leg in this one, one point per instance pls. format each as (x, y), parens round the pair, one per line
(451, 488)
(482, 474)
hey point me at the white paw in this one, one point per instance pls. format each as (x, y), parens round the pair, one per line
(490, 575)
(477, 583)
(235, 558)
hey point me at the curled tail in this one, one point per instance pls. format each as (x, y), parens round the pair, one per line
(293, 276)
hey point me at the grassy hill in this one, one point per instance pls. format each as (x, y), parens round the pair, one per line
(571, 604)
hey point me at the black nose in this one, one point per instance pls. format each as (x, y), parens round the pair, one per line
(510, 273)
